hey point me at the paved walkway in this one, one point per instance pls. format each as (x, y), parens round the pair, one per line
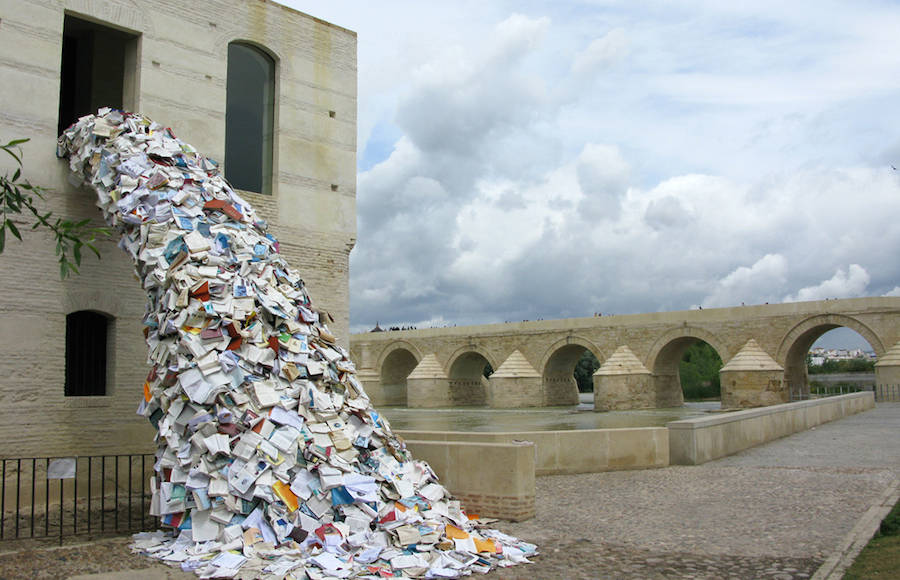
(776, 511)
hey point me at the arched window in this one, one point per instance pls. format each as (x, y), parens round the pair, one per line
(86, 347)
(249, 118)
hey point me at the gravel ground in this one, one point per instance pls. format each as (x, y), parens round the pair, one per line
(776, 511)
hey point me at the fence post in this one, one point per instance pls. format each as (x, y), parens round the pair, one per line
(46, 497)
(18, 491)
(75, 500)
(116, 510)
(33, 472)
(102, 492)
(143, 477)
(90, 483)
(130, 457)
(60, 512)
(3, 500)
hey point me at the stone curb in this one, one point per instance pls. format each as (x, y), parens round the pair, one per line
(842, 558)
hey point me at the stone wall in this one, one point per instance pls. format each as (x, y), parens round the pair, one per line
(178, 78)
(696, 441)
(576, 451)
(493, 480)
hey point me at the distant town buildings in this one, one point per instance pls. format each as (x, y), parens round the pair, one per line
(818, 355)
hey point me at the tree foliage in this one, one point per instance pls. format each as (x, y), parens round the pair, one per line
(853, 365)
(699, 371)
(585, 368)
(20, 199)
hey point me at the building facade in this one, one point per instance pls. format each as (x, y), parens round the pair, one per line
(267, 91)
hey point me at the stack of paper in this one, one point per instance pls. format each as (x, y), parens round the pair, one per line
(271, 460)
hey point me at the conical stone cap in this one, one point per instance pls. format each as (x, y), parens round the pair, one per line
(622, 362)
(428, 368)
(515, 366)
(891, 358)
(752, 358)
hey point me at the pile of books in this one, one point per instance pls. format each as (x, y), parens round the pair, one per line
(270, 458)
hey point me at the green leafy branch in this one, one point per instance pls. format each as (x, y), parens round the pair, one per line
(19, 197)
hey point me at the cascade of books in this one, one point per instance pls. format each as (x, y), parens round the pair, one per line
(270, 458)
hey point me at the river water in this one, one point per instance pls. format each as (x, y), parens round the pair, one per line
(582, 416)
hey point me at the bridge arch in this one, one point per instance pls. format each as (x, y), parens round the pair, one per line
(798, 340)
(465, 373)
(664, 358)
(395, 364)
(558, 367)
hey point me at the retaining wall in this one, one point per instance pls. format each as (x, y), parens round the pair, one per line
(493, 473)
(581, 451)
(490, 479)
(696, 441)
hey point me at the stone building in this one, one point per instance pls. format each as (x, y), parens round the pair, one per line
(267, 91)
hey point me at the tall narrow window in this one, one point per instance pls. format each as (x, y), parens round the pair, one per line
(249, 118)
(86, 334)
(97, 69)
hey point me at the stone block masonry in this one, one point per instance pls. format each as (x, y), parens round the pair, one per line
(575, 451)
(177, 75)
(492, 479)
(763, 347)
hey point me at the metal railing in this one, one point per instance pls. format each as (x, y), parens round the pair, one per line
(800, 392)
(46, 497)
(883, 393)
(887, 393)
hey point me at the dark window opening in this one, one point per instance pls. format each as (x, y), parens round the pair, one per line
(249, 118)
(95, 60)
(86, 348)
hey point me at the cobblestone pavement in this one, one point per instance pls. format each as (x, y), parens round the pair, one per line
(775, 511)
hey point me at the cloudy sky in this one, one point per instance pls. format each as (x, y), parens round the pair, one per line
(549, 159)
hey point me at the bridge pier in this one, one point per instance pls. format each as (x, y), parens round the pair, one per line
(511, 392)
(623, 382)
(515, 384)
(623, 391)
(371, 382)
(887, 369)
(752, 379)
(428, 385)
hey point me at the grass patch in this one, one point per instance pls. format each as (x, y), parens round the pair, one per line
(881, 556)
(879, 559)
(890, 525)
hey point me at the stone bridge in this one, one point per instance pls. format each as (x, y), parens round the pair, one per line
(763, 347)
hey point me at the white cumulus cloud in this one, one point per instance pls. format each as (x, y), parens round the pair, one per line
(756, 283)
(517, 163)
(850, 283)
(601, 52)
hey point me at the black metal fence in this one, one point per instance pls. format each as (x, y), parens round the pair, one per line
(805, 392)
(887, 393)
(66, 496)
(883, 393)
